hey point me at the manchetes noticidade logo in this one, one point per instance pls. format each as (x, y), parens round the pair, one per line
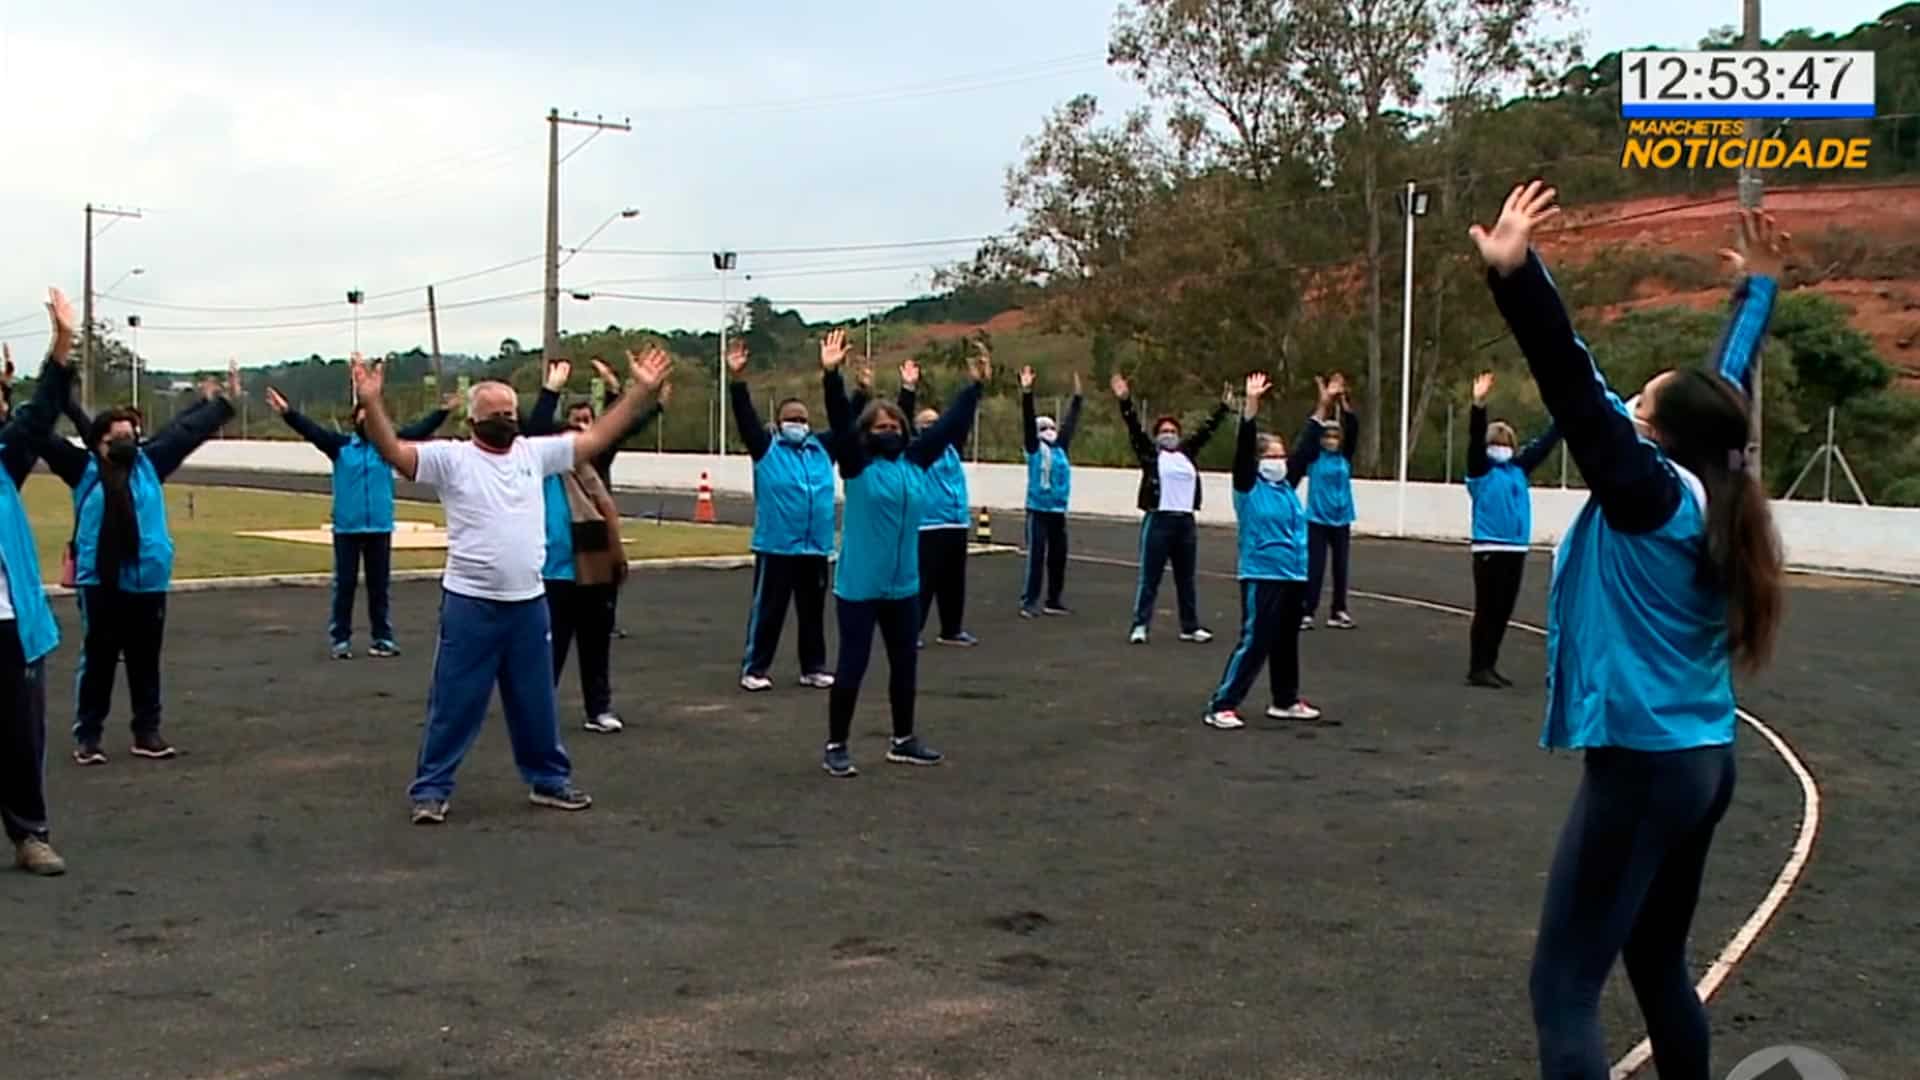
(1787, 1063)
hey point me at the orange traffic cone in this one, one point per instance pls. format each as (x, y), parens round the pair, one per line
(703, 504)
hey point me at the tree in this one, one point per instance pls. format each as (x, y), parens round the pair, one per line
(1833, 363)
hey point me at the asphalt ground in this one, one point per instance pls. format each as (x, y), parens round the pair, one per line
(1093, 885)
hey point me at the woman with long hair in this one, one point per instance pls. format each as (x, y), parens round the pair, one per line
(1667, 578)
(1497, 472)
(877, 586)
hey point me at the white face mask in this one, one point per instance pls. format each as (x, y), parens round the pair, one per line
(794, 432)
(1168, 440)
(1273, 470)
(1640, 427)
(1499, 455)
(1049, 435)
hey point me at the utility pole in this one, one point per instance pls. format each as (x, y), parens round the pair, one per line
(86, 303)
(433, 329)
(550, 323)
(1750, 192)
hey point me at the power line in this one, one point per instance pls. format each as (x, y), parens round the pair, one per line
(318, 305)
(825, 249)
(990, 78)
(308, 323)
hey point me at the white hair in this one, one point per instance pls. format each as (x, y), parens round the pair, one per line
(473, 392)
(1044, 422)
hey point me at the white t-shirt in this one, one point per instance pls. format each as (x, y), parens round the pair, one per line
(1178, 478)
(496, 512)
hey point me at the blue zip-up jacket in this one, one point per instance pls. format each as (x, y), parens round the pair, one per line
(543, 420)
(1272, 523)
(1637, 647)
(151, 570)
(1049, 472)
(1330, 480)
(792, 484)
(947, 505)
(1502, 505)
(886, 498)
(362, 479)
(28, 429)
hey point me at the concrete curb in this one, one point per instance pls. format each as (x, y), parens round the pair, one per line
(321, 581)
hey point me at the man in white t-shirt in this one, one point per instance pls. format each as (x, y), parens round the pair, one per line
(493, 612)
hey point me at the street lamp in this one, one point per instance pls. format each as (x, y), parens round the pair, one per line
(121, 280)
(133, 324)
(1413, 204)
(723, 261)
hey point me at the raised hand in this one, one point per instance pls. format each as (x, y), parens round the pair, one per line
(368, 379)
(607, 376)
(980, 364)
(1118, 384)
(451, 402)
(277, 401)
(234, 387)
(910, 374)
(736, 357)
(61, 321)
(6, 353)
(1226, 394)
(1504, 247)
(1076, 384)
(1257, 386)
(558, 372)
(833, 349)
(863, 377)
(1026, 378)
(650, 369)
(1324, 386)
(1766, 247)
(1482, 386)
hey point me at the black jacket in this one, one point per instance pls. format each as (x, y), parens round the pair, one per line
(1148, 452)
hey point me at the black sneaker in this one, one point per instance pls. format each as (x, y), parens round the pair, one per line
(89, 753)
(911, 751)
(383, 650)
(430, 812)
(151, 745)
(1054, 607)
(961, 640)
(1486, 680)
(560, 797)
(838, 761)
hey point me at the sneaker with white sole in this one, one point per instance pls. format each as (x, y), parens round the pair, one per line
(1340, 620)
(606, 723)
(1306, 622)
(1299, 710)
(36, 856)
(755, 683)
(383, 650)
(430, 812)
(560, 797)
(1055, 607)
(911, 751)
(1137, 636)
(340, 650)
(1199, 635)
(151, 745)
(818, 680)
(961, 640)
(1225, 720)
(838, 761)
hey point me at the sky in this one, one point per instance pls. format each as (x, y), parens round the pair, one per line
(281, 157)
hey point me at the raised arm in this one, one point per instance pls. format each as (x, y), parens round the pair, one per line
(1477, 462)
(747, 419)
(541, 419)
(1349, 430)
(167, 450)
(1029, 431)
(647, 372)
(952, 427)
(1071, 422)
(1532, 455)
(1246, 448)
(908, 397)
(1756, 285)
(77, 416)
(1199, 439)
(1636, 489)
(424, 427)
(368, 381)
(1305, 451)
(28, 432)
(1142, 446)
(327, 442)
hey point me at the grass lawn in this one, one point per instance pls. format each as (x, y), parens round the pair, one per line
(205, 519)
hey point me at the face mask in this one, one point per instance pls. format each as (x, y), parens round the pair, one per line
(1640, 427)
(1273, 470)
(1049, 436)
(795, 432)
(121, 451)
(496, 432)
(1331, 446)
(1168, 440)
(1499, 455)
(886, 444)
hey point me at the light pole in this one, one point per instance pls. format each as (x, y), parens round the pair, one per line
(86, 304)
(550, 314)
(723, 261)
(133, 324)
(1413, 204)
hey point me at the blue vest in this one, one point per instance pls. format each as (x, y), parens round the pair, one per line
(1050, 492)
(1502, 505)
(946, 493)
(880, 542)
(793, 499)
(32, 617)
(362, 489)
(1273, 533)
(152, 570)
(1330, 490)
(1637, 653)
(559, 564)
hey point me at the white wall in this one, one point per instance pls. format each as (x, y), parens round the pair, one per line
(1881, 540)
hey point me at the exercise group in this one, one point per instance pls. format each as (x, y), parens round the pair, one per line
(1666, 581)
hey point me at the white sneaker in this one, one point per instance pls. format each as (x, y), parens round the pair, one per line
(1340, 620)
(819, 680)
(1225, 720)
(1138, 636)
(755, 683)
(1299, 710)
(1306, 622)
(605, 723)
(1198, 637)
